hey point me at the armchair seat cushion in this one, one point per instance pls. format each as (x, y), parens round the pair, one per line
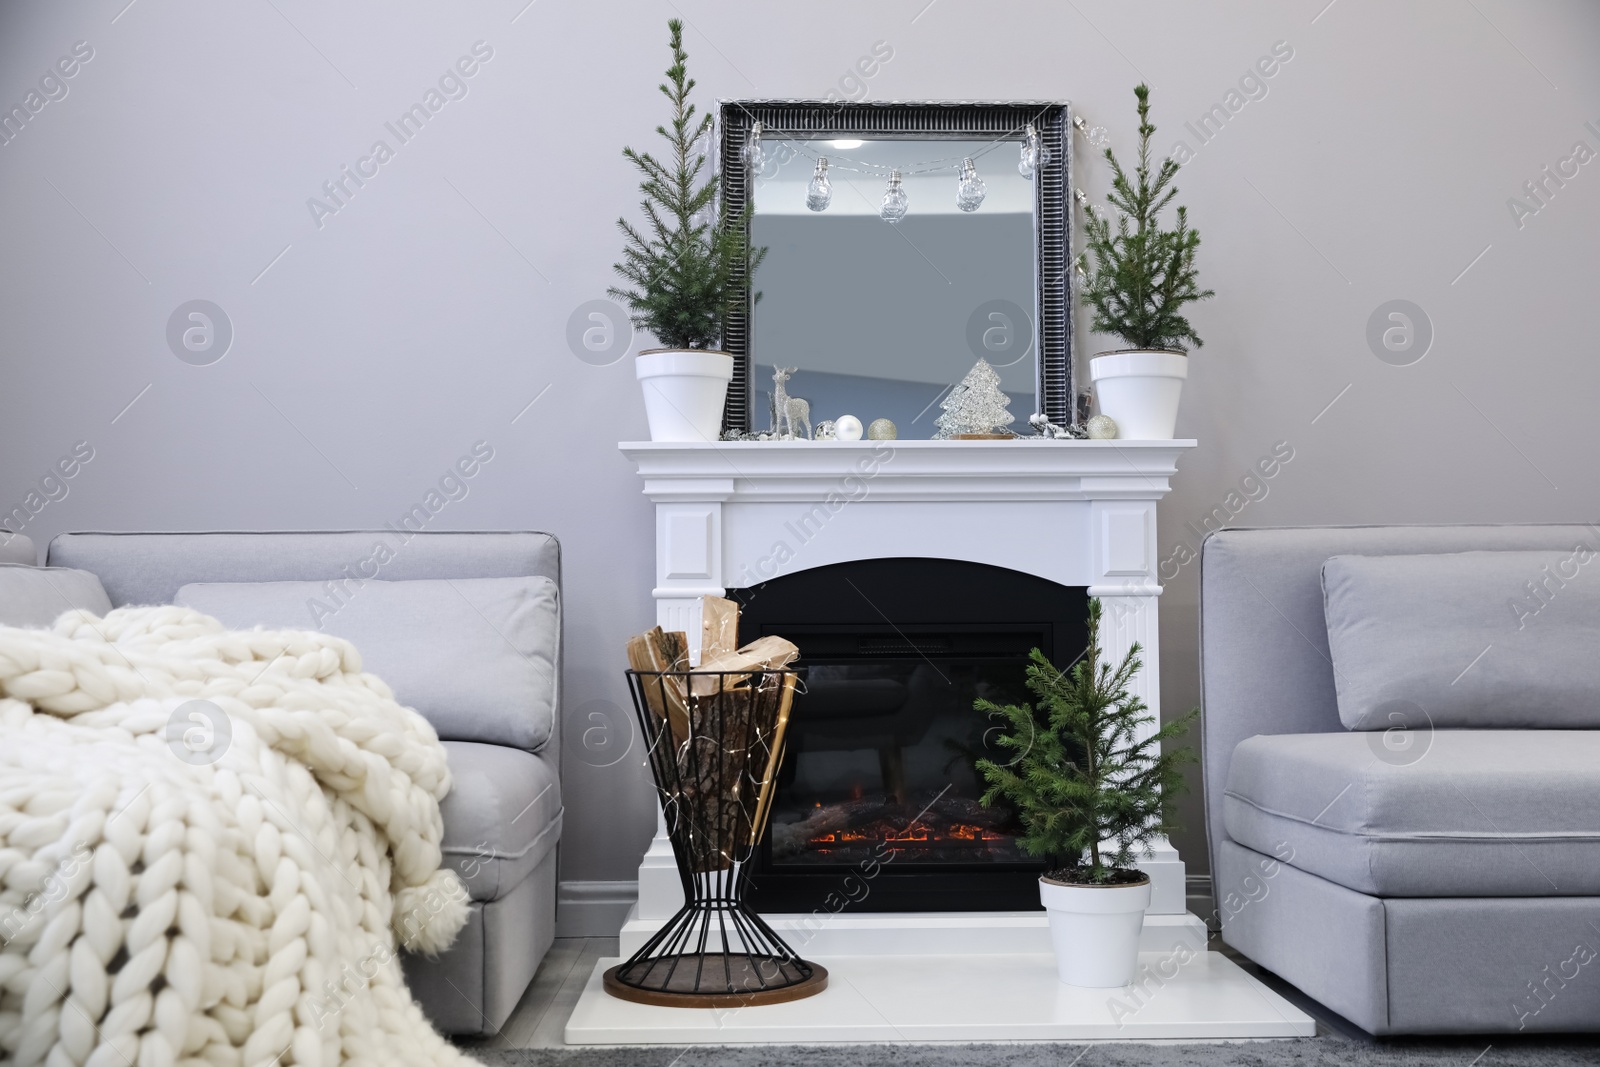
(1451, 813)
(501, 817)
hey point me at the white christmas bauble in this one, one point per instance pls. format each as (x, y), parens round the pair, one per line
(1101, 428)
(847, 428)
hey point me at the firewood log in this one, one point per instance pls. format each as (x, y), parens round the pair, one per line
(770, 653)
(651, 654)
(719, 627)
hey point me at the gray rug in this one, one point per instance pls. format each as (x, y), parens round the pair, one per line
(1301, 1052)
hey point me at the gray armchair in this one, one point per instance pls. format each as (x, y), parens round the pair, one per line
(502, 819)
(1454, 889)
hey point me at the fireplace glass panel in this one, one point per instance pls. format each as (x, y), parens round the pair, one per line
(883, 752)
(879, 778)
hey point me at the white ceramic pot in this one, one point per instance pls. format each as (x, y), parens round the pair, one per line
(684, 391)
(1139, 390)
(1095, 930)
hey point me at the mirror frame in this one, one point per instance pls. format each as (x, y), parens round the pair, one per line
(929, 120)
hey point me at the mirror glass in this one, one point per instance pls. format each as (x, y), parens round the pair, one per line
(881, 319)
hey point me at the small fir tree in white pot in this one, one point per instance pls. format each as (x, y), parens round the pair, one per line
(1092, 794)
(685, 270)
(1143, 276)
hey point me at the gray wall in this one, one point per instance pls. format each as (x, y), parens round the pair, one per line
(433, 307)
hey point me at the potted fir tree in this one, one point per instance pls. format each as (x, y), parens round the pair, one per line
(1143, 276)
(1090, 794)
(684, 270)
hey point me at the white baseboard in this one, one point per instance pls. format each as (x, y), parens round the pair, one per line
(593, 909)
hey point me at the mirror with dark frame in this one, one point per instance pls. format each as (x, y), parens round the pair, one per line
(879, 319)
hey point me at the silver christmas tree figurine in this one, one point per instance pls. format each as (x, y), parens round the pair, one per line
(975, 405)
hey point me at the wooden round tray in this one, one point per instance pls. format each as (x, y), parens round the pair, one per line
(681, 991)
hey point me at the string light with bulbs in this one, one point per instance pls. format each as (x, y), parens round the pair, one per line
(970, 188)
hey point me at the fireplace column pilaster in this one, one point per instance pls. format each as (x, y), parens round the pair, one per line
(688, 567)
(1124, 554)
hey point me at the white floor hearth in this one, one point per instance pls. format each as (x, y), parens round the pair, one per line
(966, 997)
(1081, 514)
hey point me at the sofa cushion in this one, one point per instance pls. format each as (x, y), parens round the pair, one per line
(1465, 639)
(17, 548)
(34, 596)
(1451, 813)
(502, 815)
(476, 656)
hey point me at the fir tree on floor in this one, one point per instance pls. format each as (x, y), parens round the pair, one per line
(1143, 274)
(1080, 777)
(975, 405)
(688, 274)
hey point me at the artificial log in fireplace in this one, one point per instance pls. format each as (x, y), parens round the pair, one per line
(878, 780)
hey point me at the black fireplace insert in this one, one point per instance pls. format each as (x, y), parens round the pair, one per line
(877, 798)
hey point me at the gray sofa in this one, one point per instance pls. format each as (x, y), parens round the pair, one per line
(502, 819)
(1426, 880)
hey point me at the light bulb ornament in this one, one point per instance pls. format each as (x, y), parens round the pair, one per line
(819, 194)
(970, 189)
(1033, 153)
(700, 148)
(751, 154)
(1097, 136)
(895, 201)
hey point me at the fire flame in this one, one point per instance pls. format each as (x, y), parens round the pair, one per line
(913, 835)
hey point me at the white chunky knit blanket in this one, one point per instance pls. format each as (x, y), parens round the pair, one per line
(212, 844)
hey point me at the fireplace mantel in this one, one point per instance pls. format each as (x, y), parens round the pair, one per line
(1079, 513)
(963, 471)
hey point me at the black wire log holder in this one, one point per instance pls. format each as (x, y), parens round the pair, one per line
(715, 743)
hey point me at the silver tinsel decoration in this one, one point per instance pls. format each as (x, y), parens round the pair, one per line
(1046, 428)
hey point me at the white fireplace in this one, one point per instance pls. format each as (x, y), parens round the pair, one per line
(1079, 513)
